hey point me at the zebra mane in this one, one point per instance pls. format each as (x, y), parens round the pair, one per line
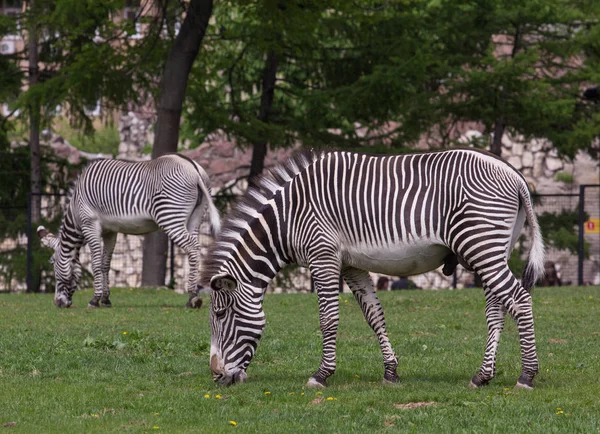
(69, 195)
(248, 206)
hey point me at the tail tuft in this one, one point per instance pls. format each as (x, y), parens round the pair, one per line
(215, 218)
(534, 270)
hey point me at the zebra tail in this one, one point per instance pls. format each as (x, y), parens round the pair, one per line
(534, 270)
(214, 217)
(213, 213)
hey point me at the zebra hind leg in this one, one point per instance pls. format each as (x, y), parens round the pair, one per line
(189, 244)
(517, 302)
(361, 285)
(495, 314)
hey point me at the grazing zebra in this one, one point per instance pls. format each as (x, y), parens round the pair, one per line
(111, 196)
(343, 213)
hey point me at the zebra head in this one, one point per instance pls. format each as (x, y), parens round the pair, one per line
(237, 323)
(64, 287)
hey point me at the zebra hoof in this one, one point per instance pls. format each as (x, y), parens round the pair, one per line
(105, 303)
(194, 302)
(391, 379)
(524, 382)
(477, 382)
(316, 384)
(94, 303)
(523, 386)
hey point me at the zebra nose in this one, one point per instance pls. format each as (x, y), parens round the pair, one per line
(62, 301)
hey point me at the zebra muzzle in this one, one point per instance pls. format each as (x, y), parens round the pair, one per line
(62, 302)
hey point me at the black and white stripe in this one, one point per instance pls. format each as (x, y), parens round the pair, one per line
(111, 196)
(342, 213)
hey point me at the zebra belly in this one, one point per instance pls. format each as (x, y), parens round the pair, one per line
(129, 225)
(399, 259)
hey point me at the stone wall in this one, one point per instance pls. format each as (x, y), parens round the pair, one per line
(228, 166)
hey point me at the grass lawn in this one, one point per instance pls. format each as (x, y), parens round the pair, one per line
(142, 366)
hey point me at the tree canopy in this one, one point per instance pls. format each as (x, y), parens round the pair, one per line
(400, 69)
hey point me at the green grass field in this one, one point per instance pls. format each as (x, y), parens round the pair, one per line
(142, 366)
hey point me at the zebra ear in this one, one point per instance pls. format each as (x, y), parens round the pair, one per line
(223, 282)
(47, 238)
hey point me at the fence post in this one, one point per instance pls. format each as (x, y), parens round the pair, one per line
(580, 249)
(29, 278)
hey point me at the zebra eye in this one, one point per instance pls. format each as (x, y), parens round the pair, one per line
(220, 313)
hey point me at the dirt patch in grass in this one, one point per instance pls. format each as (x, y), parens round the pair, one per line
(411, 405)
(557, 341)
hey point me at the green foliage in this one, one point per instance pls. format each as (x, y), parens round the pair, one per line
(412, 67)
(104, 140)
(87, 55)
(565, 177)
(560, 230)
(57, 175)
(516, 263)
(143, 366)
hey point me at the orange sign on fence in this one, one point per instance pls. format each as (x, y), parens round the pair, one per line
(592, 226)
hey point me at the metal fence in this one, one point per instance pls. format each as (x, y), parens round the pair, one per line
(575, 254)
(572, 219)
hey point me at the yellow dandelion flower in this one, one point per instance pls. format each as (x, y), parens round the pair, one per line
(331, 398)
(302, 394)
(319, 393)
(155, 427)
(217, 396)
(267, 393)
(591, 296)
(232, 422)
(506, 389)
(124, 333)
(207, 396)
(155, 414)
(291, 393)
(96, 415)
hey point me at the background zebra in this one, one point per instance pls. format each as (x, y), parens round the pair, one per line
(346, 213)
(111, 196)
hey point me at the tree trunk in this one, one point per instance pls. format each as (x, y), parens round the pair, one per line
(500, 124)
(173, 85)
(34, 153)
(496, 145)
(259, 151)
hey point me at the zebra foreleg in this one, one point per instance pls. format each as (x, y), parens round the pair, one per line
(327, 288)
(109, 241)
(92, 235)
(495, 314)
(361, 285)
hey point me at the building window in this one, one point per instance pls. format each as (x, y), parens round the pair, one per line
(131, 10)
(11, 7)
